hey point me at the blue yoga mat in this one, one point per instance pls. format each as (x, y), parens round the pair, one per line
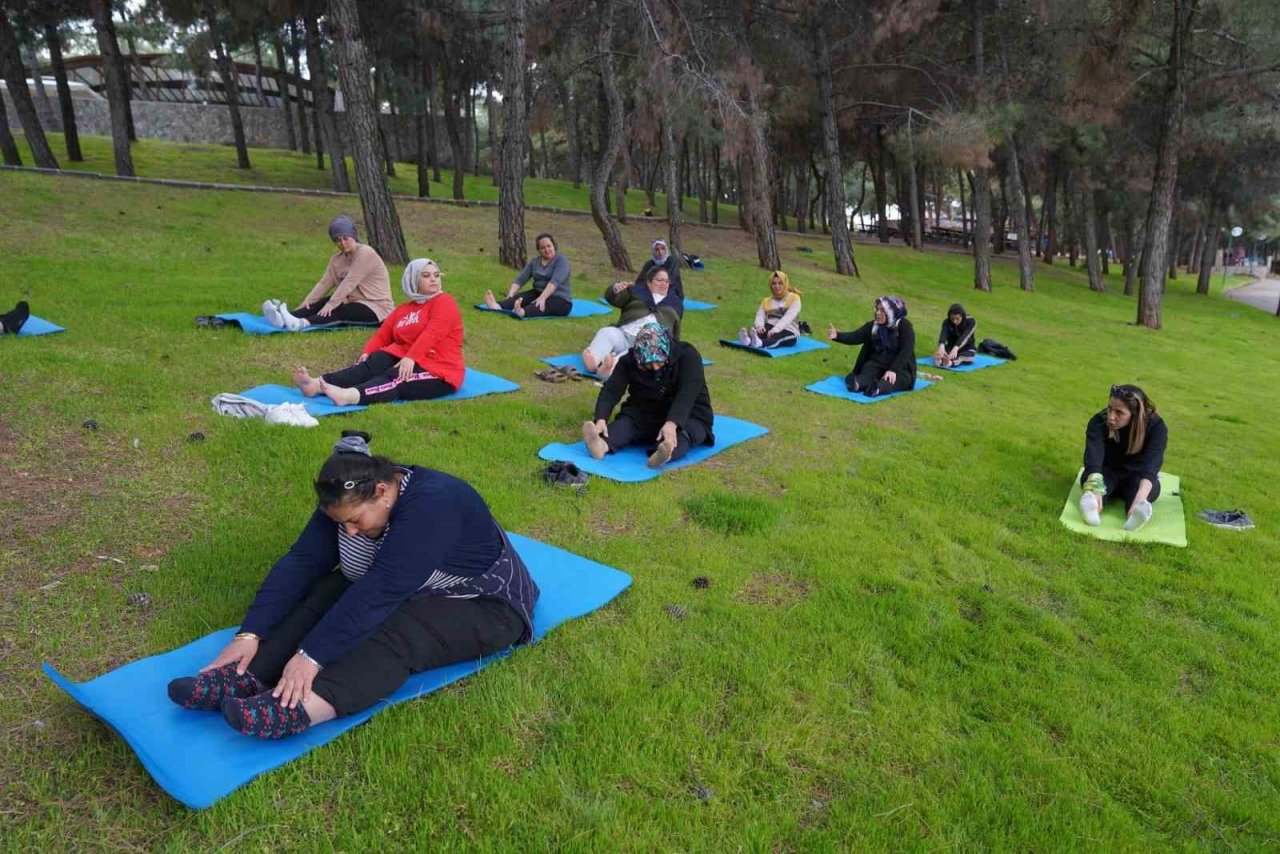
(198, 759)
(574, 360)
(256, 324)
(474, 384)
(803, 345)
(581, 308)
(834, 387)
(980, 361)
(689, 304)
(630, 464)
(37, 326)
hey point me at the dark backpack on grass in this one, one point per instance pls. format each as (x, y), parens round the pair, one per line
(992, 347)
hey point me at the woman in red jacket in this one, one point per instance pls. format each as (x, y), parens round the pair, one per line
(416, 354)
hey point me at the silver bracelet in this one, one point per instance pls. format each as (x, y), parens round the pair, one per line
(302, 652)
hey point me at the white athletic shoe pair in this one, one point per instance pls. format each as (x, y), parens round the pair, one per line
(277, 314)
(293, 414)
(1090, 508)
(749, 338)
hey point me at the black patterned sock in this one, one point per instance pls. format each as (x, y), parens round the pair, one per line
(207, 690)
(264, 717)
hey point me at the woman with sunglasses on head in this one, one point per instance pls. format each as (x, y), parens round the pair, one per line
(400, 569)
(415, 355)
(1124, 447)
(667, 403)
(355, 287)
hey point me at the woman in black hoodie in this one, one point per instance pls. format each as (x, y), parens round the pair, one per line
(1124, 448)
(956, 341)
(887, 361)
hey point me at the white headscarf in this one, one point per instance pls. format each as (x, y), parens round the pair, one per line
(409, 281)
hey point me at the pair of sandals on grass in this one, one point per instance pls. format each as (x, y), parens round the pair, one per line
(561, 374)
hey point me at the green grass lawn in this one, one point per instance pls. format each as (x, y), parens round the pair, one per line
(901, 647)
(281, 168)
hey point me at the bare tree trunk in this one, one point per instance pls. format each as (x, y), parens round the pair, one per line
(702, 181)
(1133, 255)
(15, 76)
(303, 136)
(451, 122)
(880, 185)
(8, 147)
(612, 138)
(1209, 251)
(913, 190)
(418, 76)
(1049, 213)
(43, 108)
(675, 217)
(1092, 262)
(511, 245)
(257, 71)
(964, 213)
(380, 217)
(841, 242)
(230, 83)
(1069, 215)
(757, 200)
(1105, 238)
(323, 101)
(428, 85)
(571, 132)
(981, 185)
(1165, 181)
(802, 197)
(117, 97)
(1026, 265)
(71, 135)
(715, 185)
(475, 127)
(282, 84)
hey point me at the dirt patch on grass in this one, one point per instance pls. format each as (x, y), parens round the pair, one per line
(775, 590)
(39, 491)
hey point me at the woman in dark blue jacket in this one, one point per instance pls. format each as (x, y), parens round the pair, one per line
(400, 569)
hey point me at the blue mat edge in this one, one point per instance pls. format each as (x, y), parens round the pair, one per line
(45, 327)
(919, 386)
(778, 353)
(579, 304)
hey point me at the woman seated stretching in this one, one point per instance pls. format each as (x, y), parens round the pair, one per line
(887, 361)
(550, 293)
(955, 341)
(667, 400)
(663, 258)
(12, 321)
(777, 318)
(415, 355)
(653, 301)
(1124, 448)
(400, 569)
(360, 285)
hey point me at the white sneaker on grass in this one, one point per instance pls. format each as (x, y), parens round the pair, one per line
(1089, 507)
(1140, 516)
(271, 311)
(293, 324)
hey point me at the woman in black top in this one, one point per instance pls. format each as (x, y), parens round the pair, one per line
(663, 258)
(1124, 448)
(956, 340)
(887, 361)
(667, 400)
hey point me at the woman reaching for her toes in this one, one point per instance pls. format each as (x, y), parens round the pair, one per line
(1124, 448)
(415, 355)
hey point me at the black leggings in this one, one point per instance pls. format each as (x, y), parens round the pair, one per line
(423, 633)
(556, 306)
(772, 340)
(632, 428)
(348, 312)
(378, 381)
(870, 377)
(1124, 485)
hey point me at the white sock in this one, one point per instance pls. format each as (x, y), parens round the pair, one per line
(271, 311)
(1089, 507)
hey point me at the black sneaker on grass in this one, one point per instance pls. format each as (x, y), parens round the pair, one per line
(14, 320)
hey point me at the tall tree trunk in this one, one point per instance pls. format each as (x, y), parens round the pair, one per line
(511, 243)
(381, 220)
(303, 136)
(758, 199)
(451, 122)
(715, 185)
(117, 97)
(490, 112)
(282, 84)
(1049, 213)
(964, 212)
(475, 127)
(702, 181)
(1165, 180)
(384, 144)
(44, 109)
(428, 83)
(1209, 250)
(1069, 214)
(15, 76)
(1092, 262)
(1104, 235)
(913, 189)
(421, 102)
(1133, 255)
(1026, 264)
(841, 242)
(980, 182)
(612, 137)
(230, 82)
(71, 136)
(802, 197)
(571, 133)
(675, 217)
(8, 147)
(322, 99)
(1000, 233)
(116, 58)
(257, 71)
(881, 187)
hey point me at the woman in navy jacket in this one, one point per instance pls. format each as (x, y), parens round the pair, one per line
(1124, 448)
(400, 569)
